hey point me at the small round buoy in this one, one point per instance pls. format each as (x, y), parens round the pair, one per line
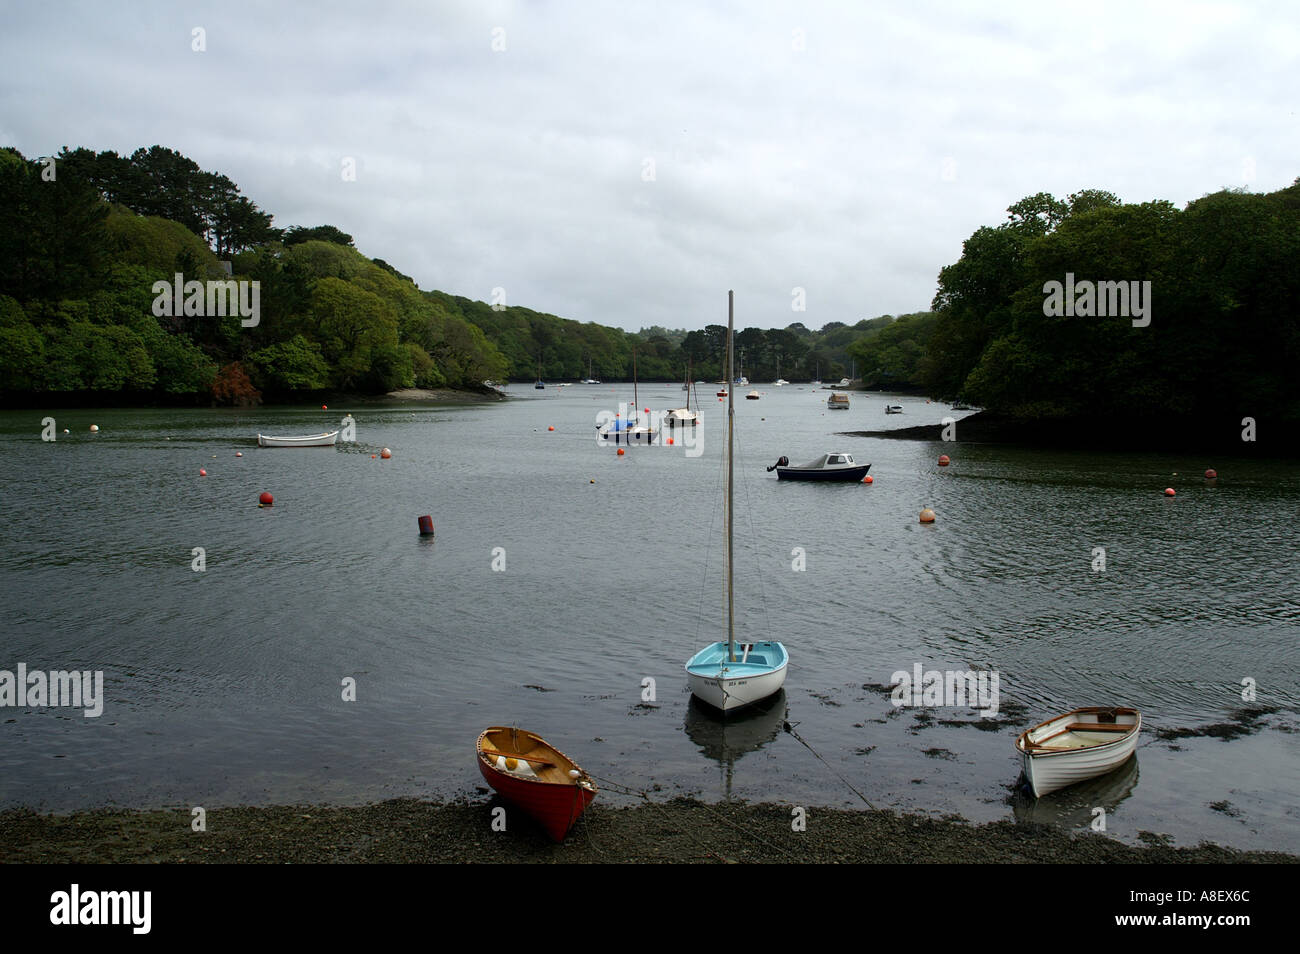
(620, 452)
(927, 515)
(426, 526)
(670, 440)
(551, 428)
(66, 431)
(265, 499)
(94, 428)
(385, 453)
(202, 472)
(324, 407)
(239, 453)
(593, 480)
(868, 479)
(1211, 474)
(1169, 491)
(943, 460)
(374, 456)
(647, 410)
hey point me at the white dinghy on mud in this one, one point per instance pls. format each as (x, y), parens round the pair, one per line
(1082, 744)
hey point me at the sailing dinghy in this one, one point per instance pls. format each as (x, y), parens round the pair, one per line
(730, 675)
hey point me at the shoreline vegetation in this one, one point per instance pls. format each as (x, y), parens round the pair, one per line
(143, 278)
(678, 831)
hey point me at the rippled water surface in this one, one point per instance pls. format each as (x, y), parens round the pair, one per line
(225, 686)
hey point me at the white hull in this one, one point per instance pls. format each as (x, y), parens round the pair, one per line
(680, 417)
(729, 694)
(310, 440)
(1065, 750)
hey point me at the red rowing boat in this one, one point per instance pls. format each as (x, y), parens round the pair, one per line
(536, 777)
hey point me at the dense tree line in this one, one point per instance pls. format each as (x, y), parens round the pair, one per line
(1221, 337)
(85, 237)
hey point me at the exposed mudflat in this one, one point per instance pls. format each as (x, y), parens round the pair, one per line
(682, 830)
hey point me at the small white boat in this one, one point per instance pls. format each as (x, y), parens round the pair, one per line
(780, 383)
(752, 396)
(837, 402)
(893, 409)
(309, 440)
(1079, 745)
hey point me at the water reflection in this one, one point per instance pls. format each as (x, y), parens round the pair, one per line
(727, 740)
(1072, 807)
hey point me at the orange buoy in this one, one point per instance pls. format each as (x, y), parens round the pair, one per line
(202, 472)
(670, 440)
(94, 428)
(943, 460)
(265, 499)
(385, 453)
(1211, 474)
(620, 452)
(426, 526)
(239, 453)
(551, 428)
(1169, 491)
(868, 479)
(593, 480)
(927, 515)
(373, 456)
(324, 408)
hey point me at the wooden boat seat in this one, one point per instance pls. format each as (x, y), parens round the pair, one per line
(1097, 727)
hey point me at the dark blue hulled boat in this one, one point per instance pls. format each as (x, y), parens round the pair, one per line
(825, 467)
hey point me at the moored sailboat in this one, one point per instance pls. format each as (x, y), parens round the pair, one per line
(730, 675)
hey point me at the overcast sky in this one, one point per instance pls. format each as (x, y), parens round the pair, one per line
(627, 163)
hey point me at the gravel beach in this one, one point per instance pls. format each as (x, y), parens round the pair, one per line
(682, 830)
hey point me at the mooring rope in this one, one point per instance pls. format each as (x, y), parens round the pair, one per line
(790, 728)
(701, 845)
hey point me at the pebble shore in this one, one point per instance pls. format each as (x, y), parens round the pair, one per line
(682, 830)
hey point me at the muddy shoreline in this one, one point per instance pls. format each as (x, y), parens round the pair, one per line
(1280, 438)
(677, 831)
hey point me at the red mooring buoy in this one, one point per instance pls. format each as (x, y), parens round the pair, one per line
(1211, 474)
(265, 500)
(943, 460)
(426, 526)
(1169, 491)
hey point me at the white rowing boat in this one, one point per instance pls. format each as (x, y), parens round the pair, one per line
(1079, 745)
(308, 440)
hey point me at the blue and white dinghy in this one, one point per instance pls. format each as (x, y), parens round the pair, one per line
(730, 675)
